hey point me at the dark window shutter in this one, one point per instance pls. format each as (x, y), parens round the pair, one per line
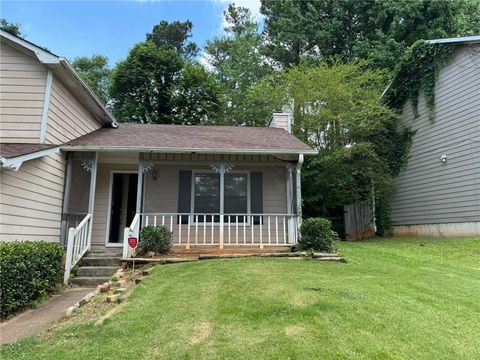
(184, 193)
(256, 195)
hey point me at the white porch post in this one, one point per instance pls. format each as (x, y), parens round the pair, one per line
(222, 202)
(222, 168)
(66, 199)
(91, 199)
(299, 192)
(141, 170)
(289, 183)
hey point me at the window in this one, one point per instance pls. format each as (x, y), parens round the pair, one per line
(206, 194)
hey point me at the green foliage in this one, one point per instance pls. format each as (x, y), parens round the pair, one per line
(12, 28)
(158, 83)
(174, 36)
(361, 141)
(418, 71)
(380, 32)
(96, 73)
(237, 65)
(197, 99)
(155, 238)
(317, 235)
(28, 271)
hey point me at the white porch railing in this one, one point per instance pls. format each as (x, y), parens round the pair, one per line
(212, 230)
(132, 231)
(79, 241)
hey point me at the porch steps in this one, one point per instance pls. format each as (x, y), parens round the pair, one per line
(97, 266)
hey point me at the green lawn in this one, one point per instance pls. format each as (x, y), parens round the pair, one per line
(394, 299)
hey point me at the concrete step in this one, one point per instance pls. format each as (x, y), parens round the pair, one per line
(104, 254)
(88, 281)
(100, 261)
(97, 270)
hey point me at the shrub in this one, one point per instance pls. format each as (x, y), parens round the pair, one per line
(155, 238)
(317, 235)
(28, 271)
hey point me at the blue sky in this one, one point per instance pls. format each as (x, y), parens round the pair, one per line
(75, 28)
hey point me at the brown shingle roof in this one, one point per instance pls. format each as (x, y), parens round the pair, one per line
(156, 137)
(11, 150)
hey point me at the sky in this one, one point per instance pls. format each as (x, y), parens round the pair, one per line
(111, 28)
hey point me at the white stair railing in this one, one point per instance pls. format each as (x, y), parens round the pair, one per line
(79, 241)
(132, 231)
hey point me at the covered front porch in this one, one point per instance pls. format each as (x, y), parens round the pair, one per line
(206, 200)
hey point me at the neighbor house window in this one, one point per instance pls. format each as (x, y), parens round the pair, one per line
(206, 194)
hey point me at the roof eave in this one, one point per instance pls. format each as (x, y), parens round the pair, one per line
(14, 163)
(189, 150)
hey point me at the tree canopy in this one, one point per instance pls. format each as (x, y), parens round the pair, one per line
(158, 83)
(12, 28)
(96, 73)
(378, 31)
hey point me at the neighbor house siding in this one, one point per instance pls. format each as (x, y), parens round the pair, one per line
(22, 88)
(67, 118)
(31, 200)
(430, 191)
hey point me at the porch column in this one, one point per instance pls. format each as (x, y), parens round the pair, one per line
(141, 170)
(290, 170)
(299, 192)
(66, 199)
(91, 199)
(222, 168)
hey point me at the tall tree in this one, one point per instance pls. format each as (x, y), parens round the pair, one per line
(359, 139)
(12, 28)
(174, 36)
(96, 73)
(159, 83)
(378, 31)
(237, 64)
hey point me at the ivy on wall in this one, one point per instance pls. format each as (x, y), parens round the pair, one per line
(418, 71)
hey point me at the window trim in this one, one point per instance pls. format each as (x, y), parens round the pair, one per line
(209, 171)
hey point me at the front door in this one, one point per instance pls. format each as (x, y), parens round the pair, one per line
(123, 200)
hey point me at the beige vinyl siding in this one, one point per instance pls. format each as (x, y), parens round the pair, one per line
(67, 118)
(430, 191)
(161, 195)
(102, 195)
(22, 88)
(280, 121)
(31, 200)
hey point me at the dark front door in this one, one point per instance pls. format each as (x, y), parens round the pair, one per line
(123, 204)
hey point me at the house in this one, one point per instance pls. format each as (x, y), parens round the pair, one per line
(72, 174)
(438, 194)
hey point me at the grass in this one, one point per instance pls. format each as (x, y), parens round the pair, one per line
(394, 299)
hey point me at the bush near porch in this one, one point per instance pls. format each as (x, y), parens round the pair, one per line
(28, 271)
(394, 299)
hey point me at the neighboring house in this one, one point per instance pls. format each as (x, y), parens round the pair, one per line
(439, 191)
(67, 164)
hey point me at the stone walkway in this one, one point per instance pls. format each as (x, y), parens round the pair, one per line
(33, 321)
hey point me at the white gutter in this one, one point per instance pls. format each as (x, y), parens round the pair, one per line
(14, 163)
(299, 184)
(463, 39)
(188, 150)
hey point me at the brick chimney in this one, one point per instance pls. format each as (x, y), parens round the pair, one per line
(282, 121)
